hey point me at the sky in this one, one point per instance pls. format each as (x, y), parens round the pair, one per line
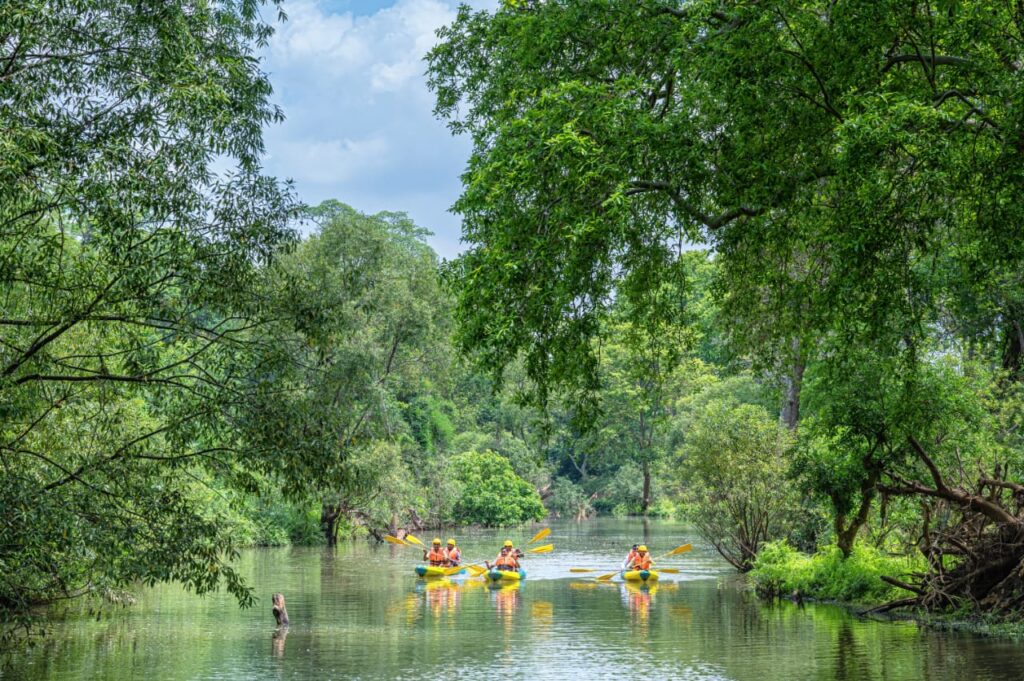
(349, 75)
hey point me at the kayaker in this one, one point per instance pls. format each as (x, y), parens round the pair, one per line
(507, 559)
(435, 555)
(518, 553)
(452, 554)
(642, 560)
(629, 557)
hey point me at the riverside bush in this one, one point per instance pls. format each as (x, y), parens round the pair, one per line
(491, 492)
(780, 569)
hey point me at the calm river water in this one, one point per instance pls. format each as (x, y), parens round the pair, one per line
(358, 612)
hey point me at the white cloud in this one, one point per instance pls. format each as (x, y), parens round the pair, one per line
(359, 124)
(332, 161)
(384, 49)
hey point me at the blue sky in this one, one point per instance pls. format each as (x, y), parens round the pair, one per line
(360, 127)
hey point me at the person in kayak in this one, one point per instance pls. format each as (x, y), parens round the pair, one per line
(507, 559)
(435, 555)
(629, 557)
(453, 555)
(642, 560)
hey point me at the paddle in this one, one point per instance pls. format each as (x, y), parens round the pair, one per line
(540, 535)
(394, 540)
(670, 571)
(477, 571)
(676, 551)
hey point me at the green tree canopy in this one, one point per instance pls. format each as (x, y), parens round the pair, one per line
(127, 265)
(491, 492)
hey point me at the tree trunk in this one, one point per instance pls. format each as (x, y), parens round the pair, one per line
(793, 382)
(645, 502)
(1013, 349)
(329, 515)
(847, 536)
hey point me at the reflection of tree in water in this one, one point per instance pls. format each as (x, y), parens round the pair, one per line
(277, 641)
(851, 664)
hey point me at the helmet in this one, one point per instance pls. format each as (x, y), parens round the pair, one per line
(437, 540)
(451, 542)
(508, 543)
(642, 547)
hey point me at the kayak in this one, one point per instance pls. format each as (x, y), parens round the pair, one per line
(506, 575)
(640, 575)
(435, 571)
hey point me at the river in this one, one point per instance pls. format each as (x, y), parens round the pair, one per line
(358, 612)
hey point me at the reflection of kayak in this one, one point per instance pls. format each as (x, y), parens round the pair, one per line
(642, 587)
(503, 586)
(435, 571)
(436, 584)
(640, 576)
(506, 575)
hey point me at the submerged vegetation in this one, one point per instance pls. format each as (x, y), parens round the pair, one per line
(757, 266)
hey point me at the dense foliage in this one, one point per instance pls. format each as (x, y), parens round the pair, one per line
(854, 167)
(491, 492)
(756, 265)
(127, 265)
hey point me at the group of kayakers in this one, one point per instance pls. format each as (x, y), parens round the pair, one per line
(508, 557)
(637, 559)
(450, 556)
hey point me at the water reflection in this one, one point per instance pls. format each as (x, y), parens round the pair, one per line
(639, 598)
(277, 641)
(348, 621)
(441, 596)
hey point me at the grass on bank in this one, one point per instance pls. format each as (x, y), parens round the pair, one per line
(781, 570)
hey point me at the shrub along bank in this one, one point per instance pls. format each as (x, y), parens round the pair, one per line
(780, 570)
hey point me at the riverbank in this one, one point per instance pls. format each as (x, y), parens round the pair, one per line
(856, 584)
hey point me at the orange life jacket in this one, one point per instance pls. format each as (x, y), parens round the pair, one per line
(436, 556)
(641, 562)
(453, 555)
(507, 561)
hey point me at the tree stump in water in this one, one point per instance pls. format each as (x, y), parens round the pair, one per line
(280, 612)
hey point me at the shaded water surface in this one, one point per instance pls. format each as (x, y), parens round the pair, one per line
(359, 613)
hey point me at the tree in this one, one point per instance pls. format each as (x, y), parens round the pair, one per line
(127, 264)
(641, 371)
(733, 464)
(771, 132)
(358, 311)
(492, 494)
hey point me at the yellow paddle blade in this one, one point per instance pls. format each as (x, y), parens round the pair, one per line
(605, 578)
(476, 570)
(540, 535)
(414, 540)
(582, 569)
(547, 548)
(679, 549)
(394, 540)
(453, 570)
(668, 571)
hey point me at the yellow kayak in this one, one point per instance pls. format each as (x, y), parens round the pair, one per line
(640, 575)
(434, 571)
(505, 575)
